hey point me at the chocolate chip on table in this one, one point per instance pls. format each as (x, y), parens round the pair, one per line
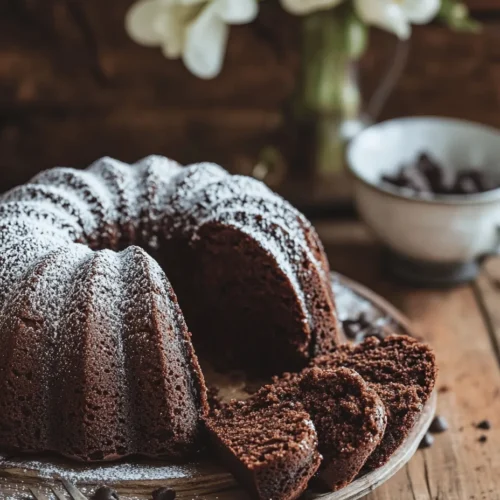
(438, 425)
(164, 494)
(105, 493)
(483, 439)
(427, 441)
(485, 425)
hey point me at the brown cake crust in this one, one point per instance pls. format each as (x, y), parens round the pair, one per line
(348, 415)
(270, 448)
(93, 395)
(402, 370)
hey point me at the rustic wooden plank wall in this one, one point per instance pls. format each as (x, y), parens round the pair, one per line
(73, 87)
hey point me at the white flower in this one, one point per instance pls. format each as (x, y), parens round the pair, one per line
(302, 7)
(196, 30)
(397, 16)
(206, 36)
(160, 23)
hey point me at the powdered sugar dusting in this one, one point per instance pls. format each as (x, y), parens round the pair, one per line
(205, 193)
(61, 271)
(106, 473)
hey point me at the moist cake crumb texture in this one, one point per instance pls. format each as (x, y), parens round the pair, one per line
(271, 448)
(402, 371)
(349, 417)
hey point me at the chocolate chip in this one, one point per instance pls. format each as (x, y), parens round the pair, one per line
(416, 180)
(164, 494)
(389, 179)
(482, 180)
(352, 328)
(105, 493)
(438, 425)
(426, 175)
(485, 425)
(432, 172)
(483, 439)
(465, 184)
(360, 328)
(427, 441)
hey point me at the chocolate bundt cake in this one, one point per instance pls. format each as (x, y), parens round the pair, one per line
(270, 448)
(349, 417)
(402, 371)
(96, 361)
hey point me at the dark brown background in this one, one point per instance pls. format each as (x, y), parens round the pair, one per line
(73, 87)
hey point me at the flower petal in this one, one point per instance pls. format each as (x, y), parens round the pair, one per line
(140, 21)
(421, 11)
(237, 11)
(385, 14)
(172, 49)
(206, 40)
(172, 31)
(302, 7)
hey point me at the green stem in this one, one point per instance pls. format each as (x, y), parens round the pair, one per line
(329, 93)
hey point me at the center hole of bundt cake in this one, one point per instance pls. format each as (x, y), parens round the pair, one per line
(238, 302)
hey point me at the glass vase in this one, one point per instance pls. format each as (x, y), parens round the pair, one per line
(327, 107)
(328, 110)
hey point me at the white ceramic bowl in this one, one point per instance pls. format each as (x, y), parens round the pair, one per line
(445, 229)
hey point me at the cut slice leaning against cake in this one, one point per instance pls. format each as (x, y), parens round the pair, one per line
(272, 449)
(348, 415)
(402, 371)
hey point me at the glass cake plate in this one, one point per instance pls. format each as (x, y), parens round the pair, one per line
(44, 477)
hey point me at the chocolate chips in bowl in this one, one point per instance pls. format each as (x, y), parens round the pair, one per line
(429, 189)
(427, 177)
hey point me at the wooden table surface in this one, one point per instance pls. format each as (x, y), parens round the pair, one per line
(463, 326)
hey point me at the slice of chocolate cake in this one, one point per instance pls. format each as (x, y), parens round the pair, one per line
(397, 358)
(403, 407)
(348, 415)
(402, 371)
(272, 449)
